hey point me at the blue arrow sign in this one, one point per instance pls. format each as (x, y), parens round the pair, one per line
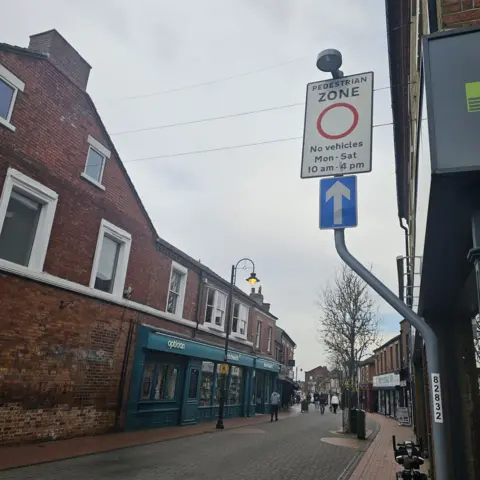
(338, 202)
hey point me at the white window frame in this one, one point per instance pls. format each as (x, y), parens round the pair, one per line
(213, 325)
(125, 241)
(258, 334)
(246, 310)
(269, 339)
(183, 271)
(13, 81)
(105, 152)
(17, 181)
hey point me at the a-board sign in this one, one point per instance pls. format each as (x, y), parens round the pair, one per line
(337, 138)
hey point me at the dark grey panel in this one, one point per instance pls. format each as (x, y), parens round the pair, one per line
(452, 68)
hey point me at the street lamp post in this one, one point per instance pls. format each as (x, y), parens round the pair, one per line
(252, 280)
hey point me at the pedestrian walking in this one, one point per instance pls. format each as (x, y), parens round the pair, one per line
(274, 403)
(323, 402)
(316, 399)
(334, 402)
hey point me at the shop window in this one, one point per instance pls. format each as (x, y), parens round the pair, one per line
(267, 388)
(235, 392)
(221, 379)
(206, 383)
(159, 381)
(216, 306)
(148, 374)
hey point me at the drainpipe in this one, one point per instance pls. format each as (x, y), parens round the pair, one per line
(200, 291)
(123, 374)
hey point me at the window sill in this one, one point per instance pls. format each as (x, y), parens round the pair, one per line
(207, 327)
(92, 181)
(7, 124)
(58, 282)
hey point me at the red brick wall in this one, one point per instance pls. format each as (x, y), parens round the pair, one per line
(267, 322)
(60, 367)
(460, 13)
(383, 358)
(63, 55)
(53, 119)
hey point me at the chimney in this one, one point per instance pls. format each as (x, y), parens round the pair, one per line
(257, 297)
(63, 56)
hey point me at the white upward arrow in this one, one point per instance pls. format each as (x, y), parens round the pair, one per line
(337, 191)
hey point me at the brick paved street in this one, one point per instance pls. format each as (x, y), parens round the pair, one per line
(286, 450)
(378, 462)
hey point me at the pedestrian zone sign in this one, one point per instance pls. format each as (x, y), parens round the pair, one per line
(337, 137)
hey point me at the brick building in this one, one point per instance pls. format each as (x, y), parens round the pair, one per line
(447, 292)
(317, 379)
(391, 382)
(284, 354)
(101, 318)
(366, 372)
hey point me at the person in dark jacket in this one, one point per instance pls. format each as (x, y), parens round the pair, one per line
(316, 399)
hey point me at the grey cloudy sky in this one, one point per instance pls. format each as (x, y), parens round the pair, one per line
(222, 206)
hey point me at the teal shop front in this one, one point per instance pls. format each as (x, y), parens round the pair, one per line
(176, 381)
(265, 380)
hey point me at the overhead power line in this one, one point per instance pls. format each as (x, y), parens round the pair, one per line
(221, 117)
(229, 147)
(211, 82)
(208, 119)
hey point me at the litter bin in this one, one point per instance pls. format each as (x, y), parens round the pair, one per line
(353, 420)
(361, 429)
(304, 405)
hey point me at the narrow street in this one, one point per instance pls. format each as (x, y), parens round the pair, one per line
(292, 448)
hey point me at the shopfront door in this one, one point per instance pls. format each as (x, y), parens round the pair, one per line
(191, 393)
(259, 397)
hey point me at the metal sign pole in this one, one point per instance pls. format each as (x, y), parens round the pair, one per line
(431, 343)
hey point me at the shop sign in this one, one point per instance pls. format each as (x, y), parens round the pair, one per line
(387, 380)
(176, 345)
(267, 365)
(233, 356)
(403, 416)
(223, 368)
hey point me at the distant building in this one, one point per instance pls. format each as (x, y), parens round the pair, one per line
(318, 380)
(284, 354)
(366, 373)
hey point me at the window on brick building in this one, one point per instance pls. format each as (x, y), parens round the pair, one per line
(269, 340)
(176, 289)
(95, 165)
(216, 306)
(111, 259)
(10, 85)
(27, 209)
(240, 319)
(258, 335)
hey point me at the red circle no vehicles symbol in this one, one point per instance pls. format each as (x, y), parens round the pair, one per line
(354, 124)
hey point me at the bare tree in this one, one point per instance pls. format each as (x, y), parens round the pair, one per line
(348, 324)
